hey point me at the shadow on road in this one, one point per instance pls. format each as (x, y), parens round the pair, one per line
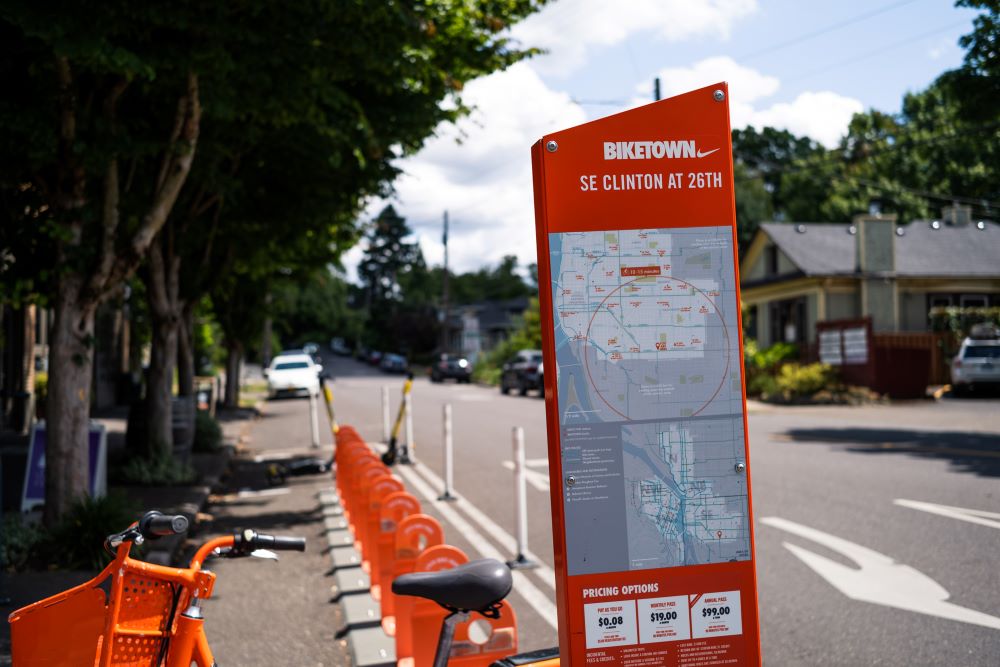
(977, 453)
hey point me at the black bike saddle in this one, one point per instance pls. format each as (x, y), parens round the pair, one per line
(474, 586)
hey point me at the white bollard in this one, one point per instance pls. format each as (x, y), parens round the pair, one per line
(520, 502)
(314, 419)
(386, 434)
(449, 462)
(408, 451)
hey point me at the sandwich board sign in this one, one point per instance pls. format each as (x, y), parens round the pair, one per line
(646, 412)
(33, 494)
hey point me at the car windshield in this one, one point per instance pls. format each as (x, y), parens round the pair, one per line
(982, 352)
(291, 365)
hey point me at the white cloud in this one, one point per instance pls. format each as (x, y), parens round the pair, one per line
(484, 182)
(824, 115)
(567, 29)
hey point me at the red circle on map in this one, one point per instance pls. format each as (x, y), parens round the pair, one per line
(725, 331)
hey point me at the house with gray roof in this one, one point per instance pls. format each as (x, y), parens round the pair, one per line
(794, 275)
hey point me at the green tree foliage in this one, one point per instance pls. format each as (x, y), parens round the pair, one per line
(314, 308)
(387, 257)
(104, 109)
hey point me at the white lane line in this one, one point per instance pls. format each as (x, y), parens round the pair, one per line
(878, 579)
(981, 517)
(282, 454)
(259, 493)
(539, 480)
(522, 585)
(502, 537)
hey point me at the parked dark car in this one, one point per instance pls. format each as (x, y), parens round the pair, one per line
(375, 358)
(394, 363)
(522, 372)
(451, 367)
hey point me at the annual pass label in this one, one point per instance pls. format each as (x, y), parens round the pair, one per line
(716, 615)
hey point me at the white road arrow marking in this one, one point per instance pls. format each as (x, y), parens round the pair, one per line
(981, 517)
(538, 479)
(879, 579)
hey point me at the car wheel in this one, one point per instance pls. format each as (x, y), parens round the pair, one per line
(522, 389)
(503, 387)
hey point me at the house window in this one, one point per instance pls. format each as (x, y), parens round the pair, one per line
(974, 300)
(939, 301)
(771, 260)
(788, 321)
(750, 323)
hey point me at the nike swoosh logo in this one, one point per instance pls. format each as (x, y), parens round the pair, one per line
(704, 153)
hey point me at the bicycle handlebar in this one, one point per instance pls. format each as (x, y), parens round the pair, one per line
(155, 524)
(250, 540)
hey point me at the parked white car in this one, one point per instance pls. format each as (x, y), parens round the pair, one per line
(976, 364)
(293, 374)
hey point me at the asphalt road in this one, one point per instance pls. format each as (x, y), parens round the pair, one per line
(846, 501)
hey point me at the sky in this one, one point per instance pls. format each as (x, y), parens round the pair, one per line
(804, 66)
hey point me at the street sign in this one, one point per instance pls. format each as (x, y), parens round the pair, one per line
(33, 494)
(646, 411)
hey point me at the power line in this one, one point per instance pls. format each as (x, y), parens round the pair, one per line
(869, 54)
(827, 29)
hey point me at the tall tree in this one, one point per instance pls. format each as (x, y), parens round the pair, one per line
(84, 102)
(100, 120)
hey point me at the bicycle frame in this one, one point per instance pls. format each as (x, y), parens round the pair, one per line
(132, 625)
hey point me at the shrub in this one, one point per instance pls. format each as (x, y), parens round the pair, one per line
(796, 381)
(162, 470)
(77, 542)
(21, 541)
(207, 433)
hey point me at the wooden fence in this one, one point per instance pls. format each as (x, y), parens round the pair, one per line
(938, 344)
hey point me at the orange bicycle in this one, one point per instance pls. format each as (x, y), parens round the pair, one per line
(135, 613)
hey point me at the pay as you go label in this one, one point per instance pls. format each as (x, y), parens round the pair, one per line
(664, 619)
(610, 623)
(716, 615)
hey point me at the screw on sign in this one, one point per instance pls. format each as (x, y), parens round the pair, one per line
(648, 350)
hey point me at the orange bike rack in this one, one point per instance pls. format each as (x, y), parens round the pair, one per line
(395, 507)
(380, 487)
(361, 476)
(416, 533)
(417, 644)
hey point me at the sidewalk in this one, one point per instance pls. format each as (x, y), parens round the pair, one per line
(264, 613)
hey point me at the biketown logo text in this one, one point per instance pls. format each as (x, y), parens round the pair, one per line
(652, 150)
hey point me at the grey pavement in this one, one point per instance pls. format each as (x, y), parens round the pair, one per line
(836, 470)
(266, 613)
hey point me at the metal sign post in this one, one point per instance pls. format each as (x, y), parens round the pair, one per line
(648, 459)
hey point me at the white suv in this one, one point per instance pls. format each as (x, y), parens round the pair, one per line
(977, 363)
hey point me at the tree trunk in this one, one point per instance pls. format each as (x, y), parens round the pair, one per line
(185, 353)
(70, 374)
(159, 387)
(233, 361)
(265, 343)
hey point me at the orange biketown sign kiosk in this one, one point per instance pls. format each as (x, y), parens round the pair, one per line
(646, 408)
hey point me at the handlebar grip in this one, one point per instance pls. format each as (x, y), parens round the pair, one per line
(156, 524)
(281, 543)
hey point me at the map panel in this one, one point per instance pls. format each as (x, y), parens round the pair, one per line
(650, 397)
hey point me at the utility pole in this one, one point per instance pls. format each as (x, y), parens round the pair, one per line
(446, 306)
(656, 89)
